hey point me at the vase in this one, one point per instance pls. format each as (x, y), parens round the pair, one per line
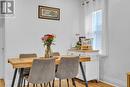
(47, 51)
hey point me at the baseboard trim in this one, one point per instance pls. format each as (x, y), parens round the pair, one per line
(113, 81)
(108, 83)
(82, 82)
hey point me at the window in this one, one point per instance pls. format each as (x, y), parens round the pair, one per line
(97, 29)
(95, 25)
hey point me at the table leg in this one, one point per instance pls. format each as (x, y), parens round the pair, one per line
(13, 81)
(20, 78)
(83, 73)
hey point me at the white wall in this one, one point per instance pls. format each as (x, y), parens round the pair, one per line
(23, 32)
(1, 47)
(115, 67)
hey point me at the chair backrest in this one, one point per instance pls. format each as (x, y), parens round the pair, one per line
(68, 68)
(55, 54)
(42, 71)
(30, 55)
(27, 55)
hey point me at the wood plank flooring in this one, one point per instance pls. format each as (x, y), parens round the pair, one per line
(2, 84)
(78, 84)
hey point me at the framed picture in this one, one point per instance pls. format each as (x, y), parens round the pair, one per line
(49, 13)
(85, 41)
(88, 41)
(81, 39)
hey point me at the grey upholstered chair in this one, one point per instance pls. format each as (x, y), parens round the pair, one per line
(26, 70)
(42, 71)
(55, 54)
(28, 55)
(67, 69)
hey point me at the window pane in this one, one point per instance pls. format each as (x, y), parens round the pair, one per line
(97, 28)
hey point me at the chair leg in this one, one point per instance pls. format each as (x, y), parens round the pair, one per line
(33, 85)
(21, 85)
(41, 85)
(24, 83)
(28, 84)
(45, 85)
(59, 82)
(73, 81)
(53, 83)
(49, 84)
(68, 82)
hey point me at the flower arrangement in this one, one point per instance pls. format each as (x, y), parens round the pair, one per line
(48, 41)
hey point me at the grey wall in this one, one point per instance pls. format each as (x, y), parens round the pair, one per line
(117, 64)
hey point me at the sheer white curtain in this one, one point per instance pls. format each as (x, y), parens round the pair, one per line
(95, 23)
(88, 9)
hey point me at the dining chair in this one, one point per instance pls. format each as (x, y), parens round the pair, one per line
(55, 54)
(42, 71)
(26, 70)
(68, 69)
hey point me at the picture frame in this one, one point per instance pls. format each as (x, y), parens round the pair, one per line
(86, 41)
(50, 13)
(81, 39)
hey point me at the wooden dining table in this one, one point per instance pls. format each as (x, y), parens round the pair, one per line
(21, 63)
